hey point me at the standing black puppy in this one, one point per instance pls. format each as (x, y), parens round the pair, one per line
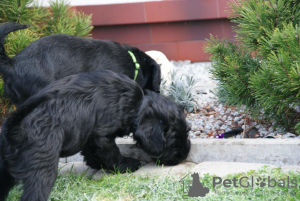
(86, 112)
(56, 56)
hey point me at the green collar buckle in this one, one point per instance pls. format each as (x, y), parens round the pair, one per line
(137, 65)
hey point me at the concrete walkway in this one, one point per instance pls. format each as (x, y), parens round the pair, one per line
(220, 169)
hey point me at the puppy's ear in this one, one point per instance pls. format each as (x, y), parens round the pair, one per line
(149, 134)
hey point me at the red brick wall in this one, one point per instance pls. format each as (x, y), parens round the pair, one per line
(176, 27)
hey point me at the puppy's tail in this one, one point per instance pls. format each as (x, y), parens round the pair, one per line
(5, 61)
(10, 27)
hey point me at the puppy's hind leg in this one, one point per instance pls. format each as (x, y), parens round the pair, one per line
(37, 167)
(102, 152)
(39, 181)
(6, 181)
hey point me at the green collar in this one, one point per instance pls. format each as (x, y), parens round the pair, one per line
(137, 65)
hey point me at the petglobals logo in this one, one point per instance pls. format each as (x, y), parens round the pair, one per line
(192, 187)
(196, 189)
(246, 182)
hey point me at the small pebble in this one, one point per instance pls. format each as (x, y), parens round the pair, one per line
(236, 119)
(235, 113)
(289, 135)
(241, 121)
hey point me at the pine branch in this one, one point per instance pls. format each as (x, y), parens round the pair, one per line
(284, 68)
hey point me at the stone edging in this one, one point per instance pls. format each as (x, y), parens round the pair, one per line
(279, 152)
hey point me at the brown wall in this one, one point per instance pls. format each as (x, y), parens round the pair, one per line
(178, 28)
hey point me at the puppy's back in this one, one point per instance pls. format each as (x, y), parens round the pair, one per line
(96, 91)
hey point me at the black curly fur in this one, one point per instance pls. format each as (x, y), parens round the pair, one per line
(161, 129)
(56, 56)
(86, 112)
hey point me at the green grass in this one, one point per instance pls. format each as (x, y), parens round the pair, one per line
(71, 187)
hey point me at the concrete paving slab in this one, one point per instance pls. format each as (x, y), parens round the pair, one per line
(177, 171)
(294, 168)
(74, 158)
(279, 152)
(82, 168)
(222, 169)
(77, 167)
(100, 174)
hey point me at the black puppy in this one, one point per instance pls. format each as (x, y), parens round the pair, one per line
(86, 112)
(57, 56)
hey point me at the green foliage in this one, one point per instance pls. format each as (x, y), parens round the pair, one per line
(64, 20)
(257, 19)
(232, 67)
(277, 84)
(297, 127)
(180, 90)
(261, 70)
(18, 40)
(59, 18)
(22, 11)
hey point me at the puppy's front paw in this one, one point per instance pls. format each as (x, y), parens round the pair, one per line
(129, 164)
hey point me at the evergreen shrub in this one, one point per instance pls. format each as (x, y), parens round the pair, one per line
(261, 69)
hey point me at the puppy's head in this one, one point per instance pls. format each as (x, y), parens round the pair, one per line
(161, 129)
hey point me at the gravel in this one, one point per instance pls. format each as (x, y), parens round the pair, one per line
(214, 118)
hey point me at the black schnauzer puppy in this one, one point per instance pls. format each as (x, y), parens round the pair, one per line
(57, 56)
(86, 112)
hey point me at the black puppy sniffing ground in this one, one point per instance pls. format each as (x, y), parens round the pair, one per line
(86, 112)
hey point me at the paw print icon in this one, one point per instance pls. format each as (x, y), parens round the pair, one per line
(261, 182)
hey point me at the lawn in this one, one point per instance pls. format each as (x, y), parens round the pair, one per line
(71, 187)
